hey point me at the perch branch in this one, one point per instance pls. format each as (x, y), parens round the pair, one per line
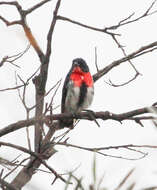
(131, 115)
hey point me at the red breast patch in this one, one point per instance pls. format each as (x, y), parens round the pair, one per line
(79, 77)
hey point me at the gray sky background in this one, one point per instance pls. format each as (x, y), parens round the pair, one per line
(69, 42)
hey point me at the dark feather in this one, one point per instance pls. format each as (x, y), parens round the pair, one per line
(64, 91)
(67, 123)
(83, 92)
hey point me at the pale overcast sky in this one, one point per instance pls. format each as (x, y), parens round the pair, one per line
(71, 41)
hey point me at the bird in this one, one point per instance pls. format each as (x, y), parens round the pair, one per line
(77, 92)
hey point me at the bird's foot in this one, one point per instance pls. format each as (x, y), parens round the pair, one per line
(92, 116)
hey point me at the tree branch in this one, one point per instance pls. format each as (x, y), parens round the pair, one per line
(128, 21)
(123, 84)
(141, 51)
(8, 23)
(41, 79)
(26, 28)
(114, 27)
(100, 149)
(34, 154)
(82, 115)
(30, 10)
(7, 185)
(85, 26)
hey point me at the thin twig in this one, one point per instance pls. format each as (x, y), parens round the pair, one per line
(122, 84)
(54, 94)
(30, 10)
(141, 51)
(97, 150)
(34, 154)
(124, 53)
(11, 59)
(7, 185)
(59, 17)
(96, 59)
(14, 168)
(12, 88)
(128, 21)
(125, 179)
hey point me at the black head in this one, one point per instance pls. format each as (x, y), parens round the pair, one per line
(81, 63)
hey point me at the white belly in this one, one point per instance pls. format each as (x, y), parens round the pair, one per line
(72, 98)
(88, 99)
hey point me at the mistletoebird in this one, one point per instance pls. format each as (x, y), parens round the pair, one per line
(78, 90)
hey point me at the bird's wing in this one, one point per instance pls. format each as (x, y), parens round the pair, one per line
(64, 91)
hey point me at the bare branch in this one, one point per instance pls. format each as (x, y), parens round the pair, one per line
(13, 88)
(30, 10)
(16, 126)
(14, 3)
(125, 54)
(127, 18)
(85, 26)
(58, 83)
(128, 21)
(141, 51)
(19, 55)
(7, 185)
(52, 26)
(82, 115)
(123, 84)
(38, 156)
(97, 150)
(96, 60)
(40, 83)
(8, 23)
(125, 179)
(114, 27)
(54, 94)
(17, 165)
(150, 188)
(11, 59)
(41, 79)
(27, 30)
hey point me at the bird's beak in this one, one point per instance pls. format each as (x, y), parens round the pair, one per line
(77, 69)
(75, 64)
